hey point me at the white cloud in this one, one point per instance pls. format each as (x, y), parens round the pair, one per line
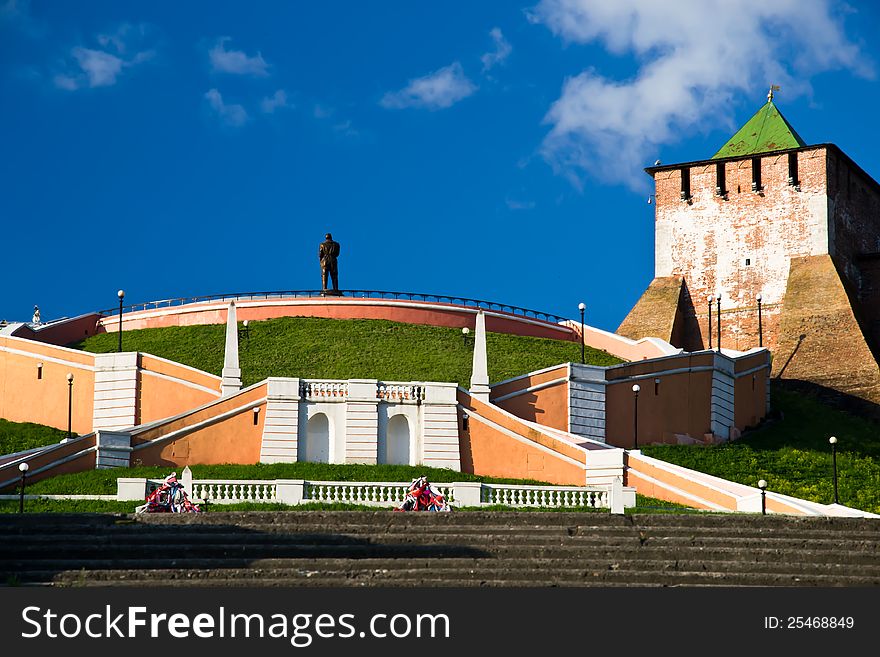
(101, 68)
(234, 115)
(514, 204)
(236, 61)
(695, 57)
(276, 101)
(92, 67)
(502, 50)
(438, 90)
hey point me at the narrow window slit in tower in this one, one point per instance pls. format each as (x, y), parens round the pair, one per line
(793, 179)
(756, 174)
(721, 180)
(685, 183)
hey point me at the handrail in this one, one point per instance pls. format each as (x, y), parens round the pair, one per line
(351, 294)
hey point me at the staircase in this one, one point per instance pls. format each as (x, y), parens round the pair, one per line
(457, 549)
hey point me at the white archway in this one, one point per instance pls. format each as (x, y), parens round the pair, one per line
(314, 445)
(394, 446)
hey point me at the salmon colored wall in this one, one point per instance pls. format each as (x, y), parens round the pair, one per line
(161, 398)
(178, 371)
(724, 500)
(86, 462)
(233, 440)
(488, 451)
(432, 314)
(547, 406)
(25, 398)
(219, 408)
(650, 489)
(62, 332)
(681, 405)
(523, 382)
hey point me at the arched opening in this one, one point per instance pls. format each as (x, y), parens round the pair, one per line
(394, 449)
(315, 445)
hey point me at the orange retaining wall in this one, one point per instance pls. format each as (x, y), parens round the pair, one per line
(9, 474)
(547, 406)
(62, 332)
(25, 398)
(160, 397)
(487, 451)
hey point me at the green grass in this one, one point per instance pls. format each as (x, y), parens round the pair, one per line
(103, 482)
(19, 436)
(793, 455)
(346, 349)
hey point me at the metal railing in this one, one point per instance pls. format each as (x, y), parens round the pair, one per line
(350, 294)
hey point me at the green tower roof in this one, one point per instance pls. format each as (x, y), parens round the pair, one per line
(766, 131)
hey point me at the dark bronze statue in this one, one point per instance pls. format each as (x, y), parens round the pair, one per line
(327, 254)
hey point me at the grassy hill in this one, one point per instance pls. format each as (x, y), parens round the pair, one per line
(19, 436)
(793, 455)
(342, 349)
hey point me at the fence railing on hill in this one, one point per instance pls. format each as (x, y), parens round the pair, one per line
(352, 294)
(380, 493)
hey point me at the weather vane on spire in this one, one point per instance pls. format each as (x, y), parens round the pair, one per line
(773, 87)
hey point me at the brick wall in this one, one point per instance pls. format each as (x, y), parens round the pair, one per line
(739, 243)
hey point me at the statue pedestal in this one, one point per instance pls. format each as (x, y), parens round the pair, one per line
(331, 293)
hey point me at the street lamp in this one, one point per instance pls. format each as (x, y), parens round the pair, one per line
(582, 307)
(763, 486)
(23, 468)
(710, 299)
(69, 404)
(636, 389)
(121, 295)
(464, 335)
(246, 332)
(718, 320)
(833, 442)
(760, 327)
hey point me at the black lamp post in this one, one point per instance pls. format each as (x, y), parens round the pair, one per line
(763, 486)
(121, 295)
(582, 307)
(760, 326)
(23, 468)
(69, 405)
(245, 331)
(464, 335)
(718, 320)
(833, 442)
(711, 299)
(636, 389)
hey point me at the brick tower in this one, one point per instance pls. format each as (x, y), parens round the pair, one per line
(769, 218)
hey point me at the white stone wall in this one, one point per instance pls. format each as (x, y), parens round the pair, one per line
(116, 383)
(281, 424)
(358, 416)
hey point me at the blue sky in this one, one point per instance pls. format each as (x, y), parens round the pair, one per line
(485, 149)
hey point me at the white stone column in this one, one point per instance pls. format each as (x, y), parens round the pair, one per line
(440, 443)
(231, 371)
(362, 421)
(281, 424)
(480, 371)
(116, 390)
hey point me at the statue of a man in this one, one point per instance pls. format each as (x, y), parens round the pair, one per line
(327, 254)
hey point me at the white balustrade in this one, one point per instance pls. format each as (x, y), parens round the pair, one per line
(386, 494)
(400, 392)
(324, 390)
(545, 496)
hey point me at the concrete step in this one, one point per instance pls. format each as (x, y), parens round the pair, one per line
(394, 575)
